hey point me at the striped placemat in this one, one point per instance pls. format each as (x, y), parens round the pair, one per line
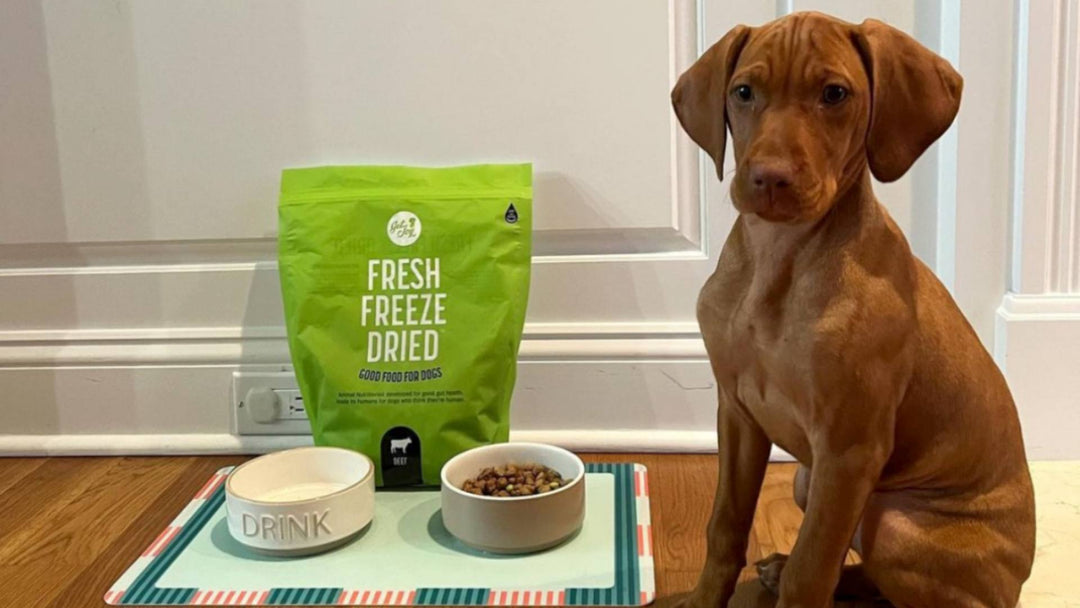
(631, 566)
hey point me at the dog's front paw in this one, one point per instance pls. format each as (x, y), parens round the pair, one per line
(769, 570)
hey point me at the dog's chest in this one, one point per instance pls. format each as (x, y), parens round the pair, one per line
(759, 352)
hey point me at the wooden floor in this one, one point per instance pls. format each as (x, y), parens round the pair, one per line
(70, 526)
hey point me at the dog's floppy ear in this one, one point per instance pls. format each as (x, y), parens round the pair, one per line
(700, 96)
(915, 96)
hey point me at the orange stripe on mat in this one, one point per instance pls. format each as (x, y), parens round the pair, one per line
(209, 486)
(157, 541)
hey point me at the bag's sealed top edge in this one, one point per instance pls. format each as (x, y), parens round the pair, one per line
(363, 181)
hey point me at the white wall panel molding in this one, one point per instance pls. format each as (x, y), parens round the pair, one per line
(690, 167)
(681, 241)
(227, 346)
(1064, 263)
(1046, 165)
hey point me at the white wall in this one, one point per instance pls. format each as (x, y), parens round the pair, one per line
(142, 141)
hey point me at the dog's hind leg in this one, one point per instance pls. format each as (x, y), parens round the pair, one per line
(945, 552)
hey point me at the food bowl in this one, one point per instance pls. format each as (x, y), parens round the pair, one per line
(516, 524)
(300, 501)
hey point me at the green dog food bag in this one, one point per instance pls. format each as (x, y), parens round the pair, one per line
(405, 292)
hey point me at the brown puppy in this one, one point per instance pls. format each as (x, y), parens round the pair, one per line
(829, 339)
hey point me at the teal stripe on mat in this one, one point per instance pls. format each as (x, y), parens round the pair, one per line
(143, 589)
(442, 596)
(626, 590)
(175, 596)
(614, 595)
(631, 578)
(311, 596)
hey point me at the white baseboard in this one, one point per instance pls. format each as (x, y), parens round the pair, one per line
(1037, 345)
(211, 444)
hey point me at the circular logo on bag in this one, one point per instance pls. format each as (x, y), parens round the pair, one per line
(403, 228)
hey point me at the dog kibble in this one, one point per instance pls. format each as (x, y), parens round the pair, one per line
(514, 480)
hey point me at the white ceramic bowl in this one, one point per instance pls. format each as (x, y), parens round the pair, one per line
(300, 501)
(516, 524)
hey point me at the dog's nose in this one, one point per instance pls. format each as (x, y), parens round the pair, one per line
(771, 174)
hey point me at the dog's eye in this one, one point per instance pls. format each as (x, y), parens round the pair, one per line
(834, 94)
(743, 93)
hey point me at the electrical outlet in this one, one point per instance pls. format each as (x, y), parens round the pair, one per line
(292, 405)
(268, 403)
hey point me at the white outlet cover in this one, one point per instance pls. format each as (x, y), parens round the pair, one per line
(244, 424)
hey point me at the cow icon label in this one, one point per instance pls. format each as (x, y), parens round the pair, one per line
(400, 457)
(399, 445)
